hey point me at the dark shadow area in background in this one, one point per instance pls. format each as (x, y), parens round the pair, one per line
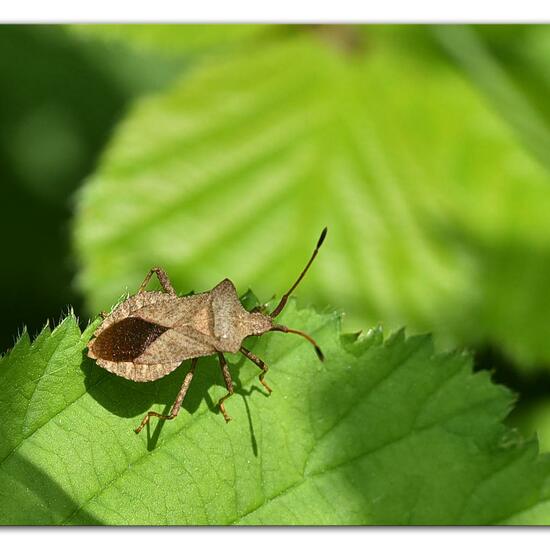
(60, 97)
(51, 97)
(530, 387)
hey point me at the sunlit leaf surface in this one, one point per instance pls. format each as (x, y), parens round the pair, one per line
(381, 432)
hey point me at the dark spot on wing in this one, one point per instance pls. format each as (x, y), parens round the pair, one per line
(126, 340)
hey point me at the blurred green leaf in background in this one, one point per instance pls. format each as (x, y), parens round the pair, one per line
(438, 212)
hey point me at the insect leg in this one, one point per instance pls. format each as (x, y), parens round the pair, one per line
(162, 277)
(177, 403)
(259, 363)
(228, 385)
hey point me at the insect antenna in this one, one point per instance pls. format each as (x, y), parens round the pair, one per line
(281, 328)
(284, 299)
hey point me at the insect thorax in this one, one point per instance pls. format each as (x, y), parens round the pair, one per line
(232, 323)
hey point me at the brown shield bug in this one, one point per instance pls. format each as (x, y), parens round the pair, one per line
(149, 334)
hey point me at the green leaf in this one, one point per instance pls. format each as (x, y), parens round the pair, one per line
(174, 39)
(39, 380)
(436, 214)
(499, 80)
(382, 432)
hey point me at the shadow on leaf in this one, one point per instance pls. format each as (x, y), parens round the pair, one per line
(35, 498)
(129, 399)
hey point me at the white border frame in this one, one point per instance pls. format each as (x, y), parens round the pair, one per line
(280, 11)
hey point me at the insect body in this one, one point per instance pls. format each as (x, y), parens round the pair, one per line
(149, 335)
